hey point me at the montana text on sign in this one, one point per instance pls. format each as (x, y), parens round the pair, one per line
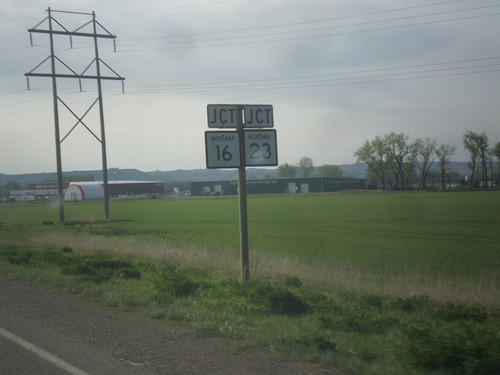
(222, 149)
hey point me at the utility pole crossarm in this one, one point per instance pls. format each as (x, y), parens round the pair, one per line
(72, 33)
(57, 75)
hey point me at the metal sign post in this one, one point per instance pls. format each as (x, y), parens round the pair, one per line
(239, 149)
(242, 196)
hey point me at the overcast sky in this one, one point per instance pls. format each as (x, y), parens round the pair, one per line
(337, 72)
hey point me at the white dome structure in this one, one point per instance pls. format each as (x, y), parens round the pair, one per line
(93, 190)
(81, 191)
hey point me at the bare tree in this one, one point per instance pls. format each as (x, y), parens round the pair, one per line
(444, 153)
(425, 150)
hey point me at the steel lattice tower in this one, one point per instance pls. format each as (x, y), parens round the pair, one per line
(70, 73)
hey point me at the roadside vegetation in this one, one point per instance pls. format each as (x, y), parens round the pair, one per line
(400, 283)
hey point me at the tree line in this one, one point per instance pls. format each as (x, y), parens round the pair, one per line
(394, 161)
(305, 168)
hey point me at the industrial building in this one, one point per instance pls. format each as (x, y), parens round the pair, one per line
(279, 186)
(36, 192)
(93, 190)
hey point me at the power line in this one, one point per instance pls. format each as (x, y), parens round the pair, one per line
(191, 44)
(304, 22)
(313, 81)
(243, 39)
(299, 85)
(237, 86)
(169, 8)
(355, 72)
(416, 71)
(199, 86)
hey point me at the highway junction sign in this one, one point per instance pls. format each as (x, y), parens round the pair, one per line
(222, 149)
(249, 144)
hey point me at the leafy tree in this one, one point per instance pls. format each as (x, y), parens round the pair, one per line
(444, 153)
(477, 145)
(286, 170)
(12, 185)
(373, 154)
(328, 170)
(400, 157)
(434, 174)
(425, 150)
(390, 155)
(484, 153)
(496, 152)
(471, 146)
(306, 166)
(8, 187)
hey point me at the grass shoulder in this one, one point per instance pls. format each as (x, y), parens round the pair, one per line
(363, 333)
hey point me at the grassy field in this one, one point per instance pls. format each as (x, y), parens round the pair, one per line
(399, 279)
(445, 245)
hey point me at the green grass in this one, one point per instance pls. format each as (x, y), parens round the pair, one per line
(417, 230)
(400, 283)
(361, 333)
(427, 239)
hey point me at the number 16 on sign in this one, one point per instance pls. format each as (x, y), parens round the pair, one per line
(222, 149)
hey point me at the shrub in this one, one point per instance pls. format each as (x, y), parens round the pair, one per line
(413, 303)
(308, 342)
(171, 282)
(276, 301)
(35, 258)
(454, 312)
(460, 347)
(48, 257)
(292, 281)
(358, 320)
(101, 268)
(13, 255)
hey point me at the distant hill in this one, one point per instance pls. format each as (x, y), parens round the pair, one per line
(137, 175)
(350, 170)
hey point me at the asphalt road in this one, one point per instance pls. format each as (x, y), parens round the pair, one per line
(15, 360)
(43, 331)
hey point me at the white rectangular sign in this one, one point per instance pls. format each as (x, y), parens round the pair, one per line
(222, 149)
(258, 116)
(222, 115)
(261, 148)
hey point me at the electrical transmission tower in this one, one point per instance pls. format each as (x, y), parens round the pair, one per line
(56, 28)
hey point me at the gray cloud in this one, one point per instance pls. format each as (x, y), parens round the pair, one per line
(337, 73)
